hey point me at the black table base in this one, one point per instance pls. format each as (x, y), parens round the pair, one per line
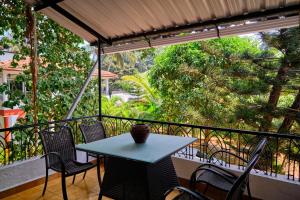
(130, 180)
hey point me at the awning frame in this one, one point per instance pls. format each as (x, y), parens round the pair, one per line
(53, 4)
(150, 35)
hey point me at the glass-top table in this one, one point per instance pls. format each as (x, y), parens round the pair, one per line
(156, 147)
(137, 171)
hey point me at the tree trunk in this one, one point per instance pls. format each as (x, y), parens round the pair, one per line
(31, 34)
(288, 120)
(274, 97)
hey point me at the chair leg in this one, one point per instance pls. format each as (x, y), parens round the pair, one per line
(98, 171)
(63, 186)
(74, 179)
(87, 160)
(249, 192)
(84, 175)
(100, 196)
(46, 182)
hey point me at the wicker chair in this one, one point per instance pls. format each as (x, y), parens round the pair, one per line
(215, 176)
(60, 155)
(182, 193)
(92, 130)
(235, 193)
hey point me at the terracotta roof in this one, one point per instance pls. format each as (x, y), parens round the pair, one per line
(105, 74)
(6, 65)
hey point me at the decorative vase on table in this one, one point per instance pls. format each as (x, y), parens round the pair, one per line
(140, 132)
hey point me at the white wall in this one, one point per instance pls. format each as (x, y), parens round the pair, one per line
(262, 186)
(26, 171)
(3, 75)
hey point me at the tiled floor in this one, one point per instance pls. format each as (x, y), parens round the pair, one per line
(80, 190)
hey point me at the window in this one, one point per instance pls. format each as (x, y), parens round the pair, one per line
(15, 86)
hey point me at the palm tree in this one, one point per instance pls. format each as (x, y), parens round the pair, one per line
(140, 80)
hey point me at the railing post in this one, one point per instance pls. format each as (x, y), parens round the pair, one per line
(7, 139)
(99, 79)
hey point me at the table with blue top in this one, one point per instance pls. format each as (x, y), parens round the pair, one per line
(137, 171)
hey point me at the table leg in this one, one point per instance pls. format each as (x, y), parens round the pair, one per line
(131, 180)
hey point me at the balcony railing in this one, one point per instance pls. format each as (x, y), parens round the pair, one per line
(281, 156)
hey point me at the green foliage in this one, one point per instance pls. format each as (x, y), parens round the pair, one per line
(142, 87)
(220, 82)
(191, 80)
(63, 63)
(124, 85)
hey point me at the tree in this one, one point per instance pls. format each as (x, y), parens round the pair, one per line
(192, 80)
(63, 62)
(142, 87)
(223, 82)
(287, 42)
(289, 120)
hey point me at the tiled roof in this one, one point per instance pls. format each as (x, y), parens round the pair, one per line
(105, 74)
(6, 65)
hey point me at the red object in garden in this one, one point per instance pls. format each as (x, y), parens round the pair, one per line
(6, 113)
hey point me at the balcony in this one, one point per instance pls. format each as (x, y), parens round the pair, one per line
(80, 190)
(131, 26)
(276, 175)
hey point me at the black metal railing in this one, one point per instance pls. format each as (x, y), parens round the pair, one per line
(281, 155)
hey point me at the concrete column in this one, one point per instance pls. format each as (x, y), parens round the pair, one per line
(23, 88)
(107, 87)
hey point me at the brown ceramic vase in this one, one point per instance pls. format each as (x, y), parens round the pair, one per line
(140, 133)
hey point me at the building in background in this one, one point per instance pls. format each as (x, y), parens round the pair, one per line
(8, 116)
(8, 73)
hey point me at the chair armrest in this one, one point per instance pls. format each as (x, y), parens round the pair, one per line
(188, 191)
(202, 167)
(58, 156)
(224, 174)
(228, 152)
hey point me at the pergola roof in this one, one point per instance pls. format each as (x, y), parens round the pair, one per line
(144, 23)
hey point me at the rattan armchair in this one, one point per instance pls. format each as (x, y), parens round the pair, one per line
(235, 192)
(182, 193)
(92, 130)
(60, 155)
(220, 178)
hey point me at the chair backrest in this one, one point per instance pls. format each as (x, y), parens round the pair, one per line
(58, 139)
(92, 131)
(258, 149)
(240, 184)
